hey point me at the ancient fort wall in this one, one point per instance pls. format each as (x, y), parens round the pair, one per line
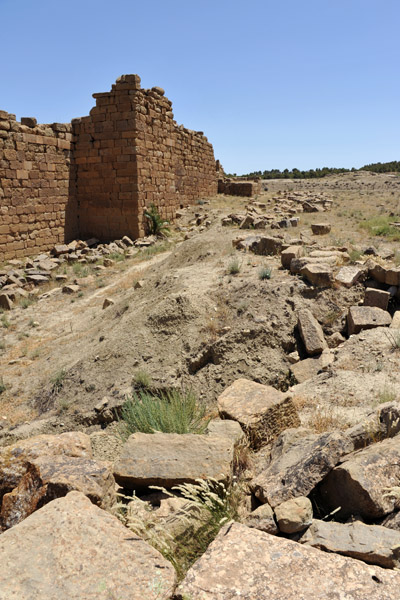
(95, 176)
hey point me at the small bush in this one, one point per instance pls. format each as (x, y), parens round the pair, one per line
(80, 270)
(25, 302)
(57, 381)
(265, 273)
(394, 339)
(355, 255)
(156, 225)
(142, 379)
(234, 267)
(170, 412)
(5, 322)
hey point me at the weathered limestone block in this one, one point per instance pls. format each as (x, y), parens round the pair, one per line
(226, 428)
(251, 564)
(317, 274)
(311, 332)
(360, 484)
(289, 253)
(168, 459)
(370, 543)
(375, 297)
(349, 275)
(71, 549)
(294, 515)
(366, 317)
(309, 367)
(261, 410)
(296, 469)
(321, 228)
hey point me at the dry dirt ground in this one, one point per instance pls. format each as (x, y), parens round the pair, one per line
(193, 324)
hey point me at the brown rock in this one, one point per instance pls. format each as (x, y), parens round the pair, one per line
(71, 549)
(262, 411)
(360, 484)
(250, 564)
(366, 317)
(5, 302)
(294, 515)
(317, 274)
(349, 275)
(321, 228)
(168, 459)
(369, 543)
(311, 332)
(262, 518)
(296, 469)
(375, 297)
(289, 253)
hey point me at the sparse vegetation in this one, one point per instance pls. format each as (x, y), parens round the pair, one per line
(3, 386)
(265, 273)
(142, 379)
(5, 321)
(234, 267)
(394, 339)
(26, 302)
(155, 223)
(117, 256)
(174, 411)
(57, 381)
(80, 269)
(355, 255)
(381, 226)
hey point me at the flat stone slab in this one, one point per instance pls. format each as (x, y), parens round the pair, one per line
(168, 459)
(370, 543)
(252, 565)
(366, 317)
(311, 332)
(318, 274)
(349, 275)
(261, 410)
(73, 550)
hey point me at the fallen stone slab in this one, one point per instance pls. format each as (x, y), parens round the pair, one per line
(71, 549)
(261, 410)
(349, 275)
(370, 543)
(366, 317)
(311, 332)
(289, 254)
(227, 428)
(300, 467)
(250, 564)
(318, 274)
(169, 459)
(70, 289)
(375, 297)
(310, 367)
(360, 483)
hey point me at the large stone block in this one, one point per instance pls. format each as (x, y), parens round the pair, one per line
(250, 564)
(311, 333)
(366, 317)
(73, 550)
(168, 459)
(262, 411)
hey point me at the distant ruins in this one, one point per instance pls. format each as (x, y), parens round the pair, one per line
(93, 177)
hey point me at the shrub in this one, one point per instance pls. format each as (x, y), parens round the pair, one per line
(234, 267)
(394, 339)
(57, 381)
(155, 224)
(265, 273)
(381, 226)
(170, 412)
(142, 379)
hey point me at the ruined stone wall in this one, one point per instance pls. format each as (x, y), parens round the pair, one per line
(37, 208)
(129, 154)
(95, 176)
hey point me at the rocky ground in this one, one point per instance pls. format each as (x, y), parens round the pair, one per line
(280, 313)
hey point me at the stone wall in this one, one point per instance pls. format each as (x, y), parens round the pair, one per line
(37, 206)
(95, 176)
(129, 154)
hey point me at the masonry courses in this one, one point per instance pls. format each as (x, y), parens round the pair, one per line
(95, 176)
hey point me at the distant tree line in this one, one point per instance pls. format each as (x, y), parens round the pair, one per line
(388, 167)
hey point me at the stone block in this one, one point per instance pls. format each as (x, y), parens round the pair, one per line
(261, 410)
(366, 317)
(376, 297)
(321, 228)
(311, 333)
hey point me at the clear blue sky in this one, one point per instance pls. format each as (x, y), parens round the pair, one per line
(273, 84)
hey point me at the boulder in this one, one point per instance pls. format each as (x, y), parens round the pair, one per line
(361, 483)
(226, 428)
(5, 302)
(297, 468)
(250, 564)
(375, 297)
(370, 543)
(262, 518)
(309, 367)
(294, 515)
(349, 275)
(71, 549)
(396, 320)
(169, 459)
(261, 410)
(321, 228)
(311, 332)
(366, 317)
(392, 521)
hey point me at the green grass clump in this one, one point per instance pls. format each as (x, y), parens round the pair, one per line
(170, 412)
(5, 322)
(234, 267)
(265, 273)
(57, 381)
(80, 270)
(142, 379)
(117, 256)
(381, 226)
